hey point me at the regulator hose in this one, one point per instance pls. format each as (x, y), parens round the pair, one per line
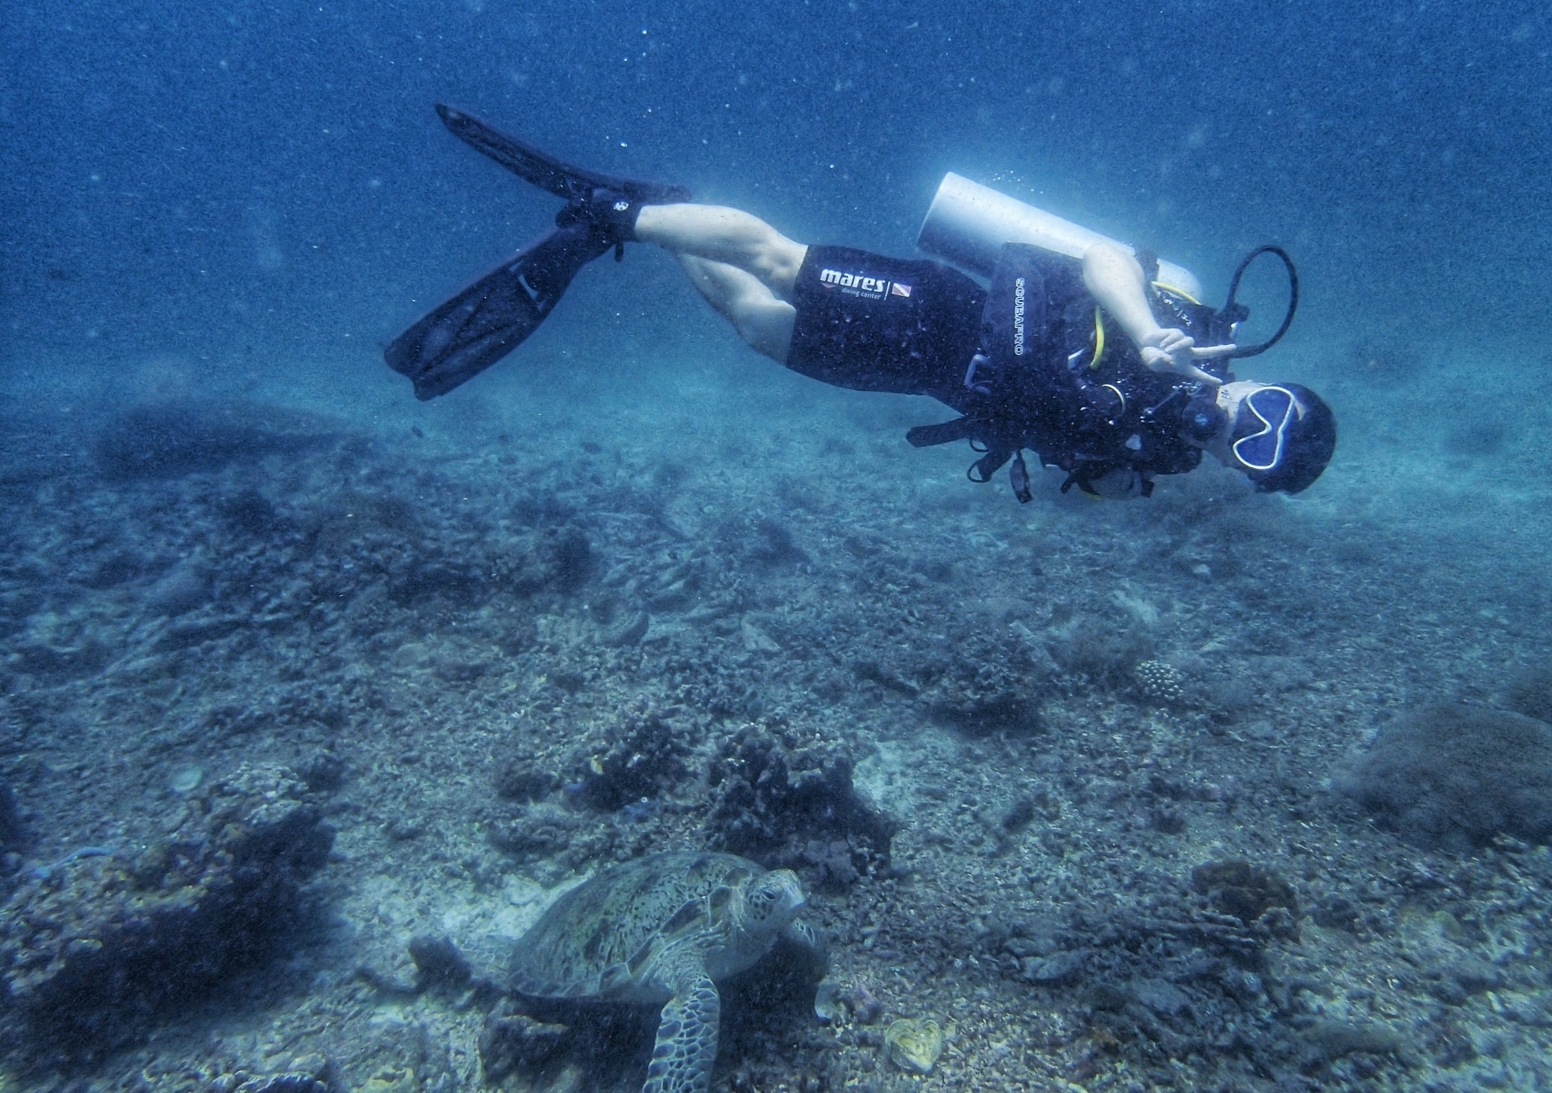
(1293, 299)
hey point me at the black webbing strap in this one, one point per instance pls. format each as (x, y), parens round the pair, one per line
(946, 432)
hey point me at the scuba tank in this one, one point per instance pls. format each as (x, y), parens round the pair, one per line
(968, 223)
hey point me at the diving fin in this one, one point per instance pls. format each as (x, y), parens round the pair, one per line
(547, 172)
(465, 335)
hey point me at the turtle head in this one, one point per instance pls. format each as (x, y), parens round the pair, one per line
(770, 902)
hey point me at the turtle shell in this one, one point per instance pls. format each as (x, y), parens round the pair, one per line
(600, 939)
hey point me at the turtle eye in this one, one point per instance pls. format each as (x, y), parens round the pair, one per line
(763, 898)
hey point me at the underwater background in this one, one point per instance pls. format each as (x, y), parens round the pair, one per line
(312, 697)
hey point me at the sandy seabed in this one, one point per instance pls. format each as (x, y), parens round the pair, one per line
(548, 626)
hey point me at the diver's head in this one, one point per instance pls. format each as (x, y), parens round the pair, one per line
(1280, 434)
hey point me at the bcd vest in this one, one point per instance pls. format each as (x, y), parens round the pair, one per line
(1055, 375)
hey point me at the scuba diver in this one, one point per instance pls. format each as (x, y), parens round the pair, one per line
(1032, 362)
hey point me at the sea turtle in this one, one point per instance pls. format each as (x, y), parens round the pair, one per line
(662, 930)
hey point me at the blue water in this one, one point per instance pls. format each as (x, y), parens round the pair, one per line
(246, 182)
(238, 204)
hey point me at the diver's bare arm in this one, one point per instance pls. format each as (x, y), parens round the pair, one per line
(730, 236)
(1115, 280)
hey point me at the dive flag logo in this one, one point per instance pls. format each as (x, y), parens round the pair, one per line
(897, 289)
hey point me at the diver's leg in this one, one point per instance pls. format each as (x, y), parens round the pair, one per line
(744, 300)
(729, 236)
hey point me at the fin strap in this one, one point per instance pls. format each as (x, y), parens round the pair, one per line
(945, 432)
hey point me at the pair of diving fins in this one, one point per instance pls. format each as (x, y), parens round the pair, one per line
(464, 335)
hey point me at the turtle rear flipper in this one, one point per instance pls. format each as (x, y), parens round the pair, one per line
(686, 1038)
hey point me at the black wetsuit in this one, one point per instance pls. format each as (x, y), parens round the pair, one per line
(1082, 400)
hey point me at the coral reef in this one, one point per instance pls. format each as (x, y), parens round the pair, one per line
(613, 764)
(542, 831)
(967, 678)
(522, 777)
(981, 685)
(795, 807)
(576, 618)
(1235, 887)
(1456, 776)
(559, 558)
(269, 1083)
(96, 944)
(1160, 682)
(635, 759)
(1105, 654)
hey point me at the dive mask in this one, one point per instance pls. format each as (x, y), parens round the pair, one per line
(1262, 432)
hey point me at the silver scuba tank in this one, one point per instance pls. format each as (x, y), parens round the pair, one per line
(968, 223)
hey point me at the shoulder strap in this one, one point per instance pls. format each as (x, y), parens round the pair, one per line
(1013, 323)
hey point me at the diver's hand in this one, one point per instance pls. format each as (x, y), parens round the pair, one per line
(1172, 350)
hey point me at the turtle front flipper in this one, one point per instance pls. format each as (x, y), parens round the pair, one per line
(805, 935)
(686, 1038)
